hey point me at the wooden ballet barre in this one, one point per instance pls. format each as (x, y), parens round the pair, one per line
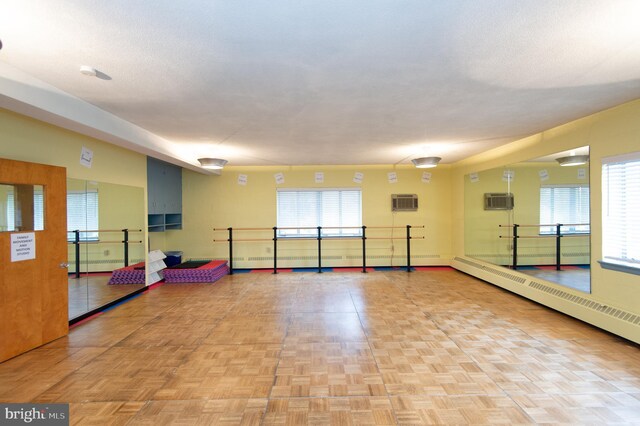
(103, 242)
(125, 242)
(558, 237)
(244, 229)
(545, 225)
(395, 227)
(394, 238)
(109, 230)
(319, 237)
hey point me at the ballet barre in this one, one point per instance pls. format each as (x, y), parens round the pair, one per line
(76, 241)
(558, 237)
(319, 237)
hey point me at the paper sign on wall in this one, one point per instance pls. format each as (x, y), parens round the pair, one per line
(582, 173)
(357, 177)
(508, 175)
(23, 246)
(474, 177)
(544, 174)
(279, 178)
(242, 180)
(319, 177)
(86, 157)
(426, 177)
(392, 177)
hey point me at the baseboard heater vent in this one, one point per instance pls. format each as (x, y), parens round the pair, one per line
(599, 307)
(503, 274)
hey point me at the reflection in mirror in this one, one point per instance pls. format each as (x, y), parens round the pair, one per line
(97, 216)
(533, 216)
(21, 207)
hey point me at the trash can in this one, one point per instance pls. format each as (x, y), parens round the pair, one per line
(173, 258)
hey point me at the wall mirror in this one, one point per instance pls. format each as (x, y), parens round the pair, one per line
(534, 217)
(101, 265)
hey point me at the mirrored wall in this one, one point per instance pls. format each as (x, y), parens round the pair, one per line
(534, 217)
(104, 261)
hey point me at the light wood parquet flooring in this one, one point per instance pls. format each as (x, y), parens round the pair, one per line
(432, 347)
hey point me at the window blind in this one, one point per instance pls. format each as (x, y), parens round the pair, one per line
(302, 208)
(82, 214)
(564, 204)
(621, 210)
(38, 211)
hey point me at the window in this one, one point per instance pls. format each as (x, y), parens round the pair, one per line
(310, 208)
(82, 214)
(621, 210)
(38, 210)
(564, 204)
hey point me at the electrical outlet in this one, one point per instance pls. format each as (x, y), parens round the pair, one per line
(106, 252)
(268, 249)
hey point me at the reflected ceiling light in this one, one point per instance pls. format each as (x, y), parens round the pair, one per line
(426, 162)
(212, 163)
(573, 160)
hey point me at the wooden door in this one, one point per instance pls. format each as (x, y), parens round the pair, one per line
(34, 292)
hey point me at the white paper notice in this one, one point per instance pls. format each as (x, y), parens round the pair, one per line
(279, 178)
(508, 175)
(23, 246)
(544, 174)
(582, 173)
(426, 177)
(392, 177)
(357, 177)
(242, 180)
(319, 177)
(86, 157)
(474, 177)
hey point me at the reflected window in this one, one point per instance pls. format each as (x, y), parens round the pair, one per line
(21, 207)
(82, 214)
(564, 204)
(621, 210)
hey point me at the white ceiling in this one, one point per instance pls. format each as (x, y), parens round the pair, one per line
(290, 82)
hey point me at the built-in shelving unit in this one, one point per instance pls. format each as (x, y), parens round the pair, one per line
(164, 186)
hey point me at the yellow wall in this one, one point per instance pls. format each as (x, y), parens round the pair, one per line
(26, 139)
(611, 132)
(219, 201)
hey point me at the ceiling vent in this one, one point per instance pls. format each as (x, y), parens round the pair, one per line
(404, 202)
(498, 201)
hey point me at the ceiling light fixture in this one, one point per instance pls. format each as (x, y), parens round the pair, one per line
(212, 163)
(88, 71)
(426, 162)
(573, 160)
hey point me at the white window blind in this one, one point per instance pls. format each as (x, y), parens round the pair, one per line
(564, 204)
(621, 210)
(38, 211)
(82, 214)
(302, 208)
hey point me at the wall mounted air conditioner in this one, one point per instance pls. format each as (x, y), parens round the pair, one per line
(498, 201)
(404, 202)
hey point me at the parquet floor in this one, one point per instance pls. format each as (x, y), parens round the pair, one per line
(433, 347)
